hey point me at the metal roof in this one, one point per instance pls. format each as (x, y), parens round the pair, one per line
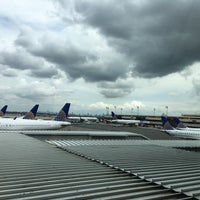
(33, 169)
(155, 149)
(171, 168)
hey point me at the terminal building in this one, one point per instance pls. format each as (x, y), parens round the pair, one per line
(155, 121)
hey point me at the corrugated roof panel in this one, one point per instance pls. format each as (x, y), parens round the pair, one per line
(153, 163)
(167, 143)
(32, 169)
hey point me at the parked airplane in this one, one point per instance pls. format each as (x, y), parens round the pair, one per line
(123, 121)
(182, 126)
(26, 124)
(184, 133)
(3, 110)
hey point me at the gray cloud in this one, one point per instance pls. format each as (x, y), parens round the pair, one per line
(111, 18)
(19, 60)
(115, 93)
(115, 89)
(33, 94)
(75, 62)
(25, 37)
(44, 73)
(160, 37)
(196, 86)
(22, 60)
(8, 72)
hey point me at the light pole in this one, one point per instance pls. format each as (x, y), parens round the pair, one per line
(107, 109)
(138, 110)
(121, 110)
(115, 109)
(154, 111)
(166, 110)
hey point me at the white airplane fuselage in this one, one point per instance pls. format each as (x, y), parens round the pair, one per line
(189, 129)
(26, 124)
(190, 134)
(125, 121)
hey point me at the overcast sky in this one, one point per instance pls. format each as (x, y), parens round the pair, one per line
(101, 54)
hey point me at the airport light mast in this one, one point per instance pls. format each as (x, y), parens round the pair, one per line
(154, 111)
(131, 112)
(166, 110)
(138, 110)
(107, 108)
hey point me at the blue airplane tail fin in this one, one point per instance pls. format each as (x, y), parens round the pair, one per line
(32, 113)
(113, 115)
(62, 115)
(164, 120)
(3, 110)
(166, 124)
(179, 124)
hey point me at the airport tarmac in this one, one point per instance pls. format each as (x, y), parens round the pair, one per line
(149, 132)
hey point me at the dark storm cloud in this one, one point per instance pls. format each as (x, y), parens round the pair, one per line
(114, 93)
(113, 18)
(61, 54)
(77, 63)
(44, 73)
(115, 89)
(95, 72)
(160, 37)
(21, 60)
